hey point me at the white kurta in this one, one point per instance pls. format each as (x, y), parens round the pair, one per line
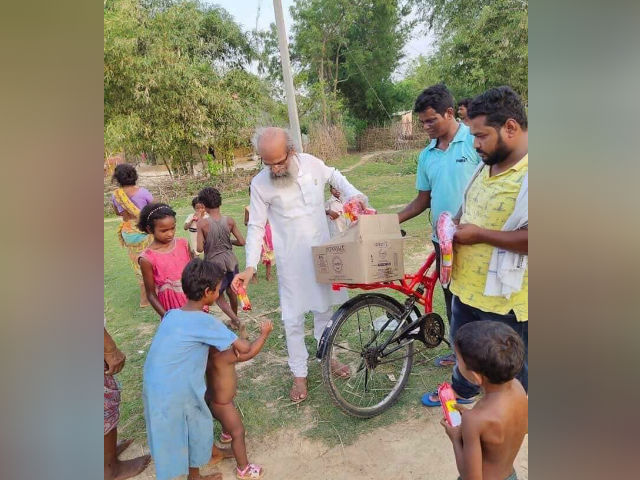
(298, 222)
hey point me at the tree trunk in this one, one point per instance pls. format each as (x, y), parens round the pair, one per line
(191, 161)
(204, 167)
(322, 85)
(335, 78)
(167, 165)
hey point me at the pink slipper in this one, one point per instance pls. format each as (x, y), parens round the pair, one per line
(250, 472)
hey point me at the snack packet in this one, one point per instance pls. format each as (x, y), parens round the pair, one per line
(243, 298)
(448, 400)
(352, 210)
(445, 228)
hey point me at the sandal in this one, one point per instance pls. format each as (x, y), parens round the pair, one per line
(340, 370)
(446, 360)
(427, 402)
(296, 391)
(225, 438)
(250, 472)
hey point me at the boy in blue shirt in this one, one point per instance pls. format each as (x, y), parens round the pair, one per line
(444, 169)
(179, 422)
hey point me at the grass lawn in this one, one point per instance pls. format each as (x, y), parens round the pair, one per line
(264, 382)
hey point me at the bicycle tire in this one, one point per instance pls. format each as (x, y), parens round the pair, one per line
(361, 302)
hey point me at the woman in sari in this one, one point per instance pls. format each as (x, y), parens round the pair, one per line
(127, 201)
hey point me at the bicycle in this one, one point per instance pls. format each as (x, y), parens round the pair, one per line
(379, 347)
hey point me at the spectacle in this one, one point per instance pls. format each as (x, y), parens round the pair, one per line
(276, 164)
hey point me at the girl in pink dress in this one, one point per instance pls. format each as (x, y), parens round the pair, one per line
(163, 261)
(267, 255)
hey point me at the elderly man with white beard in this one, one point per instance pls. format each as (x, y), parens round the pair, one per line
(289, 193)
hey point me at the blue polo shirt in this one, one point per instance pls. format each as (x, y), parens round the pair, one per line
(446, 173)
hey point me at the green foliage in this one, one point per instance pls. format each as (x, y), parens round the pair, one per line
(214, 168)
(482, 44)
(175, 83)
(346, 51)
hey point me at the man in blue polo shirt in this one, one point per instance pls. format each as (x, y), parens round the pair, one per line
(444, 169)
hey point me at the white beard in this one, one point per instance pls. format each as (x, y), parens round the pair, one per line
(286, 178)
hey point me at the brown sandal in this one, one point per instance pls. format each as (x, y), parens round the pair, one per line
(340, 370)
(296, 394)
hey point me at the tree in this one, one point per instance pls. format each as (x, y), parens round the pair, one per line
(347, 51)
(175, 81)
(482, 44)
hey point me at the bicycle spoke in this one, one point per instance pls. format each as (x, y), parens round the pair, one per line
(375, 380)
(359, 331)
(373, 329)
(345, 348)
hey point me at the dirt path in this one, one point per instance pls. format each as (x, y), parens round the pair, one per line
(404, 451)
(366, 158)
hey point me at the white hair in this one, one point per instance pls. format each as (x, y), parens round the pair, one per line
(257, 136)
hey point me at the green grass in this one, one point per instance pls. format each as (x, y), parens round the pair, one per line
(265, 381)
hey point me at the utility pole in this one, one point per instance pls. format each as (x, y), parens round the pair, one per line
(294, 123)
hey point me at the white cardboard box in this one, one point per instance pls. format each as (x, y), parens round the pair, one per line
(370, 250)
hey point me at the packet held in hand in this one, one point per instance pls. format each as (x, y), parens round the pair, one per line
(448, 400)
(353, 209)
(243, 298)
(445, 228)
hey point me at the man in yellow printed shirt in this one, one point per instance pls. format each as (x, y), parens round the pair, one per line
(491, 243)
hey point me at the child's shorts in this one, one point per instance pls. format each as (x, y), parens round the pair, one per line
(227, 279)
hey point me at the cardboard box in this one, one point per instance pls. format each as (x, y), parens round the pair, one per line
(370, 250)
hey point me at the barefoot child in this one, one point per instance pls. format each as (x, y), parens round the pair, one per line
(191, 224)
(162, 263)
(222, 382)
(179, 423)
(214, 238)
(490, 354)
(114, 468)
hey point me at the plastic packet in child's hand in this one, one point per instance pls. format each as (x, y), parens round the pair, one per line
(445, 229)
(243, 298)
(353, 209)
(448, 400)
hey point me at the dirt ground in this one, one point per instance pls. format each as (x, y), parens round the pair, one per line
(415, 449)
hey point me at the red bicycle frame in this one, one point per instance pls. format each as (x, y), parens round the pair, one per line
(407, 285)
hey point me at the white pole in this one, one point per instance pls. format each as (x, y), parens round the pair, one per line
(294, 123)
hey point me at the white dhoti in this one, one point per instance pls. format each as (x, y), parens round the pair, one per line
(298, 222)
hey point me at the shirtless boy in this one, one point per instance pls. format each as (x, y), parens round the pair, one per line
(222, 381)
(490, 354)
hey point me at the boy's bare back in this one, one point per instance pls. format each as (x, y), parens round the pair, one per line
(221, 366)
(500, 419)
(221, 375)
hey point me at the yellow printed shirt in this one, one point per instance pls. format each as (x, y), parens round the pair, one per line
(489, 203)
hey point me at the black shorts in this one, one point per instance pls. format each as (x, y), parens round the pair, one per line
(228, 278)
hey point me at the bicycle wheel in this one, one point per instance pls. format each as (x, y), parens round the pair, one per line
(377, 376)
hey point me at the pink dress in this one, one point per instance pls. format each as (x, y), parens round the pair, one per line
(267, 255)
(167, 271)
